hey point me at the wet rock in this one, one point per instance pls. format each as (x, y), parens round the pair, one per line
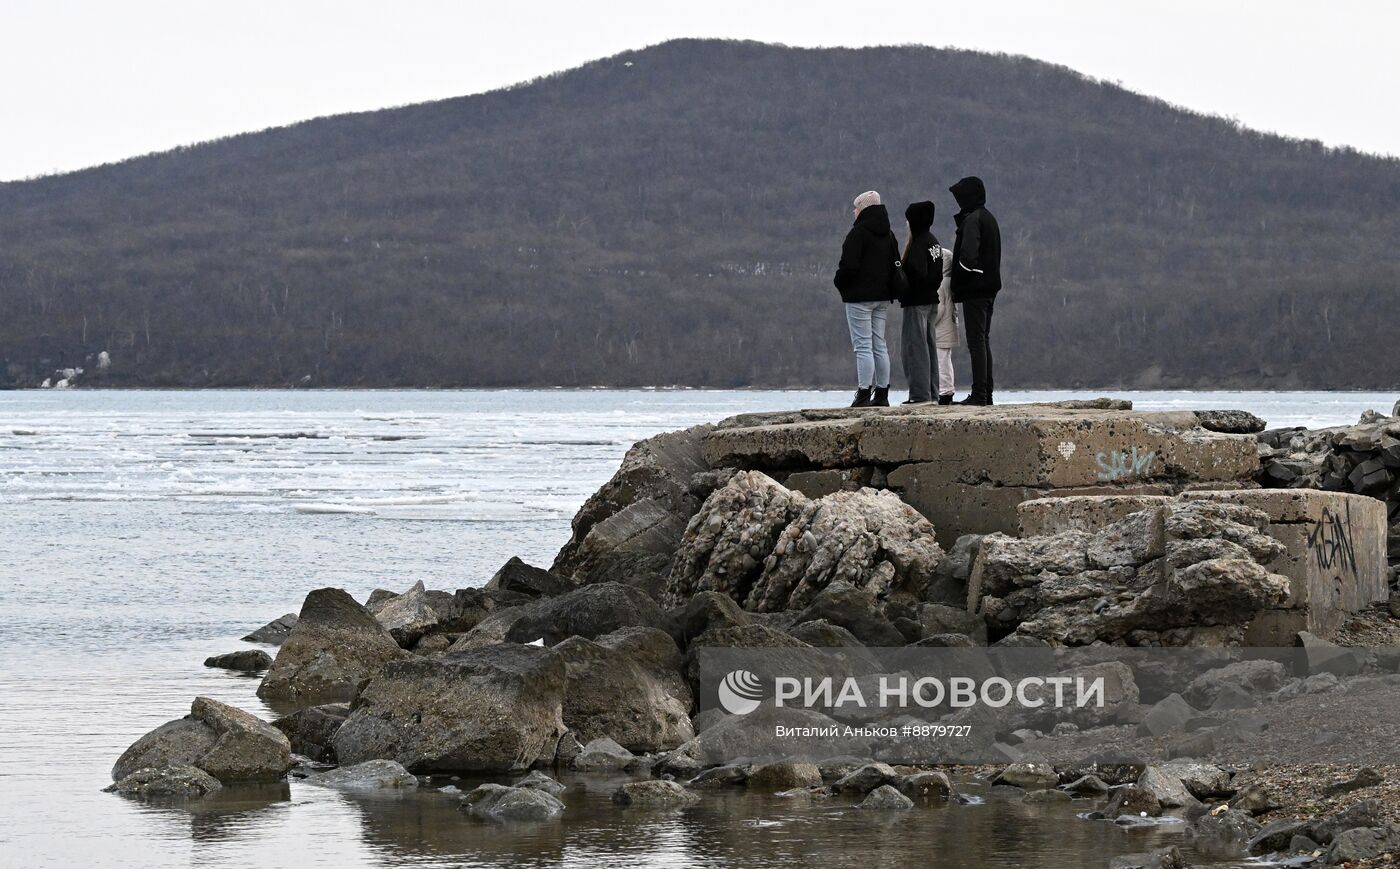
(1046, 796)
(724, 776)
(1162, 858)
(627, 685)
(1203, 780)
(408, 616)
(274, 632)
(866, 778)
(834, 769)
(540, 781)
(335, 645)
(1087, 786)
(1225, 832)
(370, 775)
(1246, 677)
(632, 525)
(1132, 800)
(491, 709)
(493, 802)
(245, 661)
(772, 548)
(1276, 836)
(655, 794)
(886, 798)
(589, 612)
(225, 742)
(311, 731)
(187, 782)
(1030, 776)
(521, 578)
(1364, 843)
(1254, 798)
(925, 786)
(784, 775)
(603, 754)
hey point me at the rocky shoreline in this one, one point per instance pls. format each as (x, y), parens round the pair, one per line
(1079, 527)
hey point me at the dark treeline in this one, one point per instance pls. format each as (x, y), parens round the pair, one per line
(673, 215)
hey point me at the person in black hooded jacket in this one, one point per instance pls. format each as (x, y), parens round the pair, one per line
(866, 279)
(923, 266)
(976, 279)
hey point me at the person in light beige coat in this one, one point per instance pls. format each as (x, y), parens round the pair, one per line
(946, 331)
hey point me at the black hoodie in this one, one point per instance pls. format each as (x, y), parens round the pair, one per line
(977, 249)
(922, 257)
(869, 257)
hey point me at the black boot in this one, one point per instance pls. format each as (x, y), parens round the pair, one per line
(974, 400)
(862, 398)
(945, 399)
(881, 398)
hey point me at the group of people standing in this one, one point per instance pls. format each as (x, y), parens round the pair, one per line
(929, 281)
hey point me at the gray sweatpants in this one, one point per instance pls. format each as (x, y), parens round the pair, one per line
(918, 351)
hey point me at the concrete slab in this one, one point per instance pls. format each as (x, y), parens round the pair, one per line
(1085, 513)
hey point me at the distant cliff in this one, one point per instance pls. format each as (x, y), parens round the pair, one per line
(673, 215)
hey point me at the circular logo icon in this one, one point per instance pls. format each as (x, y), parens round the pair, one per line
(740, 692)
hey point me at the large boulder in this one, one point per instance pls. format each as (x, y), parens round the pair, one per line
(335, 646)
(627, 685)
(493, 802)
(629, 529)
(492, 709)
(521, 578)
(311, 730)
(368, 776)
(169, 782)
(590, 612)
(1155, 575)
(227, 743)
(275, 632)
(772, 548)
(407, 617)
(655, 794)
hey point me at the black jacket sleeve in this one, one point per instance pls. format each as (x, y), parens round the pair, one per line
(971, 247)
(849, 267)
(916, 265)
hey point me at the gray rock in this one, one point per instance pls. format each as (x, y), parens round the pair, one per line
(655, 794)
(1087, 786)
(492, 709)
(1203, 780)
(603, 754)
(1046, 796)
(225, 742)
(627, 685)
(185, 782)
(723, 776)
(1248, 677)
(1320, 656)
(1167, 787)
(408, 616)
(1162, 858)
(590, 612)
(1276, 836)
(1364, 843)
(1030, 776)
(274, 632)
(866, 778)
(707, 719)
(245, 660)
(521, 578)
(925, 786)
(1226, 832)
(939, 619)
(886, 798)
(540, 781)
(1230, 421)
(1365, 778)
(855, 609)
(784, 775)
(335, 645)
(1167, 716)
(370, 775)
(1366, 813)
(1132, 800)
(493, 802)
(1253, 798)
(704, 611)
(311, 731)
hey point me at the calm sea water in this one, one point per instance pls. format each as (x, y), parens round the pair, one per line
(141, 532)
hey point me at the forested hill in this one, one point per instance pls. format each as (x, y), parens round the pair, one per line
(673, 216)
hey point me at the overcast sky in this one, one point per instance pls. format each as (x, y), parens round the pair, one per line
(83, 83)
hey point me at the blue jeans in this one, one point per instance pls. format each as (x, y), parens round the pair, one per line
(867, 323)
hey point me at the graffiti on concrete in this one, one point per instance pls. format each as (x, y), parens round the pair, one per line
(1330, 541)
(1123, 464)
